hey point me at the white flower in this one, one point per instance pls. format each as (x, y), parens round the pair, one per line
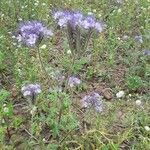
(33, 110)
(147, 128)
(43, 4)
(69, 52)
(125, 37)
(119, 10)
(43, 46)
(6, 110)
(20, 19)
(90, 13)
(36, 4)
(138, 102)
(120, 94)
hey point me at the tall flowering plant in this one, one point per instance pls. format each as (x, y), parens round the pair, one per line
(79, 27)
(31, 33)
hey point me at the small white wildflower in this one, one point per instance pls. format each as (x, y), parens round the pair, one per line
(69, 52)
(44, 140)
(94, 10)
(13, 37)
(6, 110)
(33, 110)
(4, 105)
(90, 13)
(147, 128)
(118, 38)
(43, 4)
(43, 46)
(130, 95)
(138, 102)
(20, 19)
(119, 1)
(9, 33)
(120, 94)
(2, 15)
(99, 15)
(125, 37)
(119, 10)
(36, 4)
(1, 37)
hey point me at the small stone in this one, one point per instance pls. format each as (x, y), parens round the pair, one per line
(107, 93)
(120, 94)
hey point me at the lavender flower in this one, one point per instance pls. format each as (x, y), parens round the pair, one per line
(99, 26)
(31, 90)
(57, 14)
(93, 100)
(138, 38)
(62, 17)
(73, 81)
(88, 22)
(79, 28)
(76, 18)
(31, 32)
(146, 52)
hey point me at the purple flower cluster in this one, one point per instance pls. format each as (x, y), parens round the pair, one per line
(31, 90)
(32, 32)
(76, 18)
(138, 38)
(146, 52)
(93, 100)
(74, 81)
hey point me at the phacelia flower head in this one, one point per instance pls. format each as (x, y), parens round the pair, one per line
(146, 52)
(74, 81)
(76, 18)
(62, 17)
(88, 22)
(32, 32)
(31, 90)
(93, 100)
(138, 38)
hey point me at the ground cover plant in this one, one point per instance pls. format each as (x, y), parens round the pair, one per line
(75, 74)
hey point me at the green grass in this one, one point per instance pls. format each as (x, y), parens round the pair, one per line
(116, 64)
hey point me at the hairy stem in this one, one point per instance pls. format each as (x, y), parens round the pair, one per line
(42, 64)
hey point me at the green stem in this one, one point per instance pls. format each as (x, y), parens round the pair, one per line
(42, 64)
(89, 34)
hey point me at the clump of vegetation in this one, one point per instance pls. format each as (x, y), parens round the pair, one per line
(75, 76)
